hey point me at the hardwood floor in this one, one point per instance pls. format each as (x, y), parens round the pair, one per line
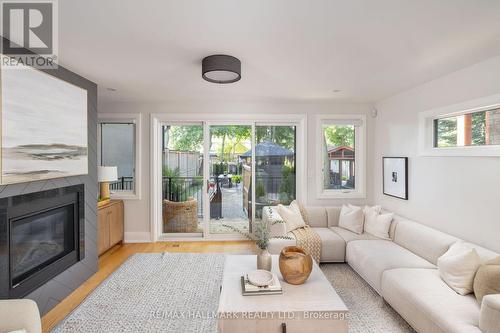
(112, 259)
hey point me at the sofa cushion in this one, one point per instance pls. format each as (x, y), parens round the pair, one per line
(332, 245)
(458, 266)
(333, 214)
(275, 223)
(316, 216)
(427, 303)
(484, 254)
(277, 244)
(292, 216)
(489, 319)
(348, 236)
(370, 258)
(487, 279)
(426, 242)
(377, 224)
(352, 218)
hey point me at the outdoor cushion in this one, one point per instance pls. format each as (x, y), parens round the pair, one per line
(427, 303)
(370, 258)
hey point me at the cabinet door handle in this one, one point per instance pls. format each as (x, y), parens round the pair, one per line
(283, 327)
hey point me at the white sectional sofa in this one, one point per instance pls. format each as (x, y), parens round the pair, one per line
(402, 270)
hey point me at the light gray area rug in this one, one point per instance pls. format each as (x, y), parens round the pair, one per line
(368, 313)
(157, 292)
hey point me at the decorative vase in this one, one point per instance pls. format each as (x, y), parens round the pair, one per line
(264, 260)
(295, 265)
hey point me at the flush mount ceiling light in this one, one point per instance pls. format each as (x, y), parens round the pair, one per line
(221, 68)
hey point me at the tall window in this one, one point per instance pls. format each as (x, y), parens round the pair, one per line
(275, 174)
(471, 129)
(341, 141)
(118, 147)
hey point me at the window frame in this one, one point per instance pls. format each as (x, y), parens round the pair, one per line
(118, 118)
(428, 134)
(359, 192)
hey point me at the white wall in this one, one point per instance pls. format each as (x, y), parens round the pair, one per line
(458, 195)
(137, 223)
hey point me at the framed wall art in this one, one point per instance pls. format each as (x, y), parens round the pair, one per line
(395, 177)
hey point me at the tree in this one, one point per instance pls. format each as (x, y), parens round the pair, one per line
(287, 186)
(281, 135)
(185, 138)
(479, 128)
(446, 132)
(234, 133)
(339, 135)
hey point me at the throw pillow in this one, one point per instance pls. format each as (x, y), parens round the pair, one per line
(377, 224)
(487, 280)
(352, 218)
(291, 216)
(458, 266)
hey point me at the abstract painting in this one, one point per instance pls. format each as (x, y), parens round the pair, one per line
(395, 177)
(44, 127)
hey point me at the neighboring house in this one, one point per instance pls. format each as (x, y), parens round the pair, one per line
(341, 166)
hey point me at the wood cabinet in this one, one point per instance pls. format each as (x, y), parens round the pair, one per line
(110, 228)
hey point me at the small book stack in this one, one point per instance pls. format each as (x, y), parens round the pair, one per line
(248, 289)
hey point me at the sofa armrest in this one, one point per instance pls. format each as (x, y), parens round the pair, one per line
(270, 215)
(489, 320)
(17, 314)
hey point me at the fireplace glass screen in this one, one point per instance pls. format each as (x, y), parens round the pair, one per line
(39, 240)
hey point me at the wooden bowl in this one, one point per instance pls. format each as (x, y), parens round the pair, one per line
(295, 265)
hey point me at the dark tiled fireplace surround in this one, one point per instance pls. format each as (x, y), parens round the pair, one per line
(41, 236)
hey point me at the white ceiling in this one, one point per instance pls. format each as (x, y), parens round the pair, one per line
(290, 49)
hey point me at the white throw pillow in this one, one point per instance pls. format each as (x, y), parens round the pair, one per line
(352, 218)
(291, 216)
(377, 224)
(458, 266)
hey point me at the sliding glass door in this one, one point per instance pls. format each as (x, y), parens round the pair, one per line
(182, 179)
(275, 174)
(217, 177)
(230, 177)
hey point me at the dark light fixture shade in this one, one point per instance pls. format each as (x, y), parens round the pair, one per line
(221, 68)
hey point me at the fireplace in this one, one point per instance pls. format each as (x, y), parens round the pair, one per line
(41, 235)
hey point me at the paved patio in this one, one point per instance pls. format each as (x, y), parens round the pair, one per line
(232, 211)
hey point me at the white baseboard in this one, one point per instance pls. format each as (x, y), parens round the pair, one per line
(137, 237)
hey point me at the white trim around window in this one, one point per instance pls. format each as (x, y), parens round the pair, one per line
(121, 118)
(359, 121)
(426, 128)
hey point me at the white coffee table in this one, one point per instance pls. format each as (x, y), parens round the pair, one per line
(312, 307)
